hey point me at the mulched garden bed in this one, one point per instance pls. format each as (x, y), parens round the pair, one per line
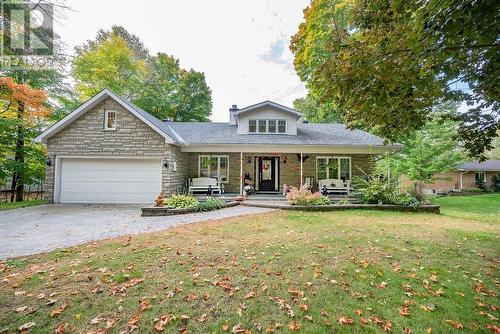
(336, 207)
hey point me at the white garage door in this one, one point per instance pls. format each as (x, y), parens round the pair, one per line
(109, 180)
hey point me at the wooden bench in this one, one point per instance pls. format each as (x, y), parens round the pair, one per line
(335, 185)
(201, 184)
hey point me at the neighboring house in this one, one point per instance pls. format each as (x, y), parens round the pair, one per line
(110, 151)
(464, 177)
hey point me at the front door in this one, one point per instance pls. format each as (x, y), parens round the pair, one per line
(268, 173)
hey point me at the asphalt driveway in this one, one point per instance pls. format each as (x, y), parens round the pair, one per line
(47, 227)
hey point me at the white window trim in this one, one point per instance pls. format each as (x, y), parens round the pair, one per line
(257, 128)
(484, 176)
(338, 170)
(106, 112)
(218, 165)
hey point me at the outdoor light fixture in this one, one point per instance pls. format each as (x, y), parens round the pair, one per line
(285, 159)
(165, 163)
(48, 161)
(249, 160)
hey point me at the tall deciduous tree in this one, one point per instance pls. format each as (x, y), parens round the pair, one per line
(386, 63)
(22, 108)
(427, 152)
(316, 112)
(108, 64)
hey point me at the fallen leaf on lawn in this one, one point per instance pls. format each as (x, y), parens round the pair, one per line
(294, 326)
(428, 330)
(134, 320)
(110, 323)
(202, 318)
(308, 318)
(225, 327)
(304, 307)
(160, 324)
(144, 305)
(58, 310)
(461, 294)
(61, 328)
(206, 296)
(21, 309)
(358, 311)
(96, 320)
(237, 329)
(404, 311)
(251, 294)
(26, 326)
(184, 317)
(345, 320)
(455, 324)
(364, 321)
(493, 328)
(406, 330)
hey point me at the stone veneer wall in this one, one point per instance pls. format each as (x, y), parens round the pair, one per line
(86, 136)
(289, 172)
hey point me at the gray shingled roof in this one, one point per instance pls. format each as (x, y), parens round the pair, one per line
(307, 134)
(485, 166)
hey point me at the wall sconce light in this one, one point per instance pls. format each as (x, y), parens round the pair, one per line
(48, 161)
(285, 159)
(249, 159)
(174, 166)
(165, 163)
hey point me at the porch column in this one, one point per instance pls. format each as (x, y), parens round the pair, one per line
(241, 173)
(301, 170)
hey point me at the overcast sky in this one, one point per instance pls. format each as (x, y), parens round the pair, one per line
(240, 45)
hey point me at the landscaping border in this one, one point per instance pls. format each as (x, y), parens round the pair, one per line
(433, 208)
(156, 211)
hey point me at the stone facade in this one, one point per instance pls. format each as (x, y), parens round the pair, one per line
(132, 138)
(289, 172)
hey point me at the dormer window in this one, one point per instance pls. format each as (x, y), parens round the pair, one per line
(282, 126)
(270, 126)
(109, 120)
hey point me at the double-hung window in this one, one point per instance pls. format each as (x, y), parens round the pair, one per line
(109, 120)
(271, 126)
(333, 168)
(480, 177)
(216, 166)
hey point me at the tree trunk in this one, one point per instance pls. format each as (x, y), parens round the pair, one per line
(419, 190)
(17, 177)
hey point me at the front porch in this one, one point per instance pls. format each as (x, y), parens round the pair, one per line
(268, 173)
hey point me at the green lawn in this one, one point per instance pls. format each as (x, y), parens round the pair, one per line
(17, 205)
(275, 273)
(483, 207)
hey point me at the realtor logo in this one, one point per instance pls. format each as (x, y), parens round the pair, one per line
(26, 28)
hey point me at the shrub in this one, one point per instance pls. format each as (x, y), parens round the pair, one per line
(481, 185)
(474, 190)
(373, 189)
(210, 204)
(495, 183)
(304, 196)
(403, 199)
(181, 202)
(343, 201)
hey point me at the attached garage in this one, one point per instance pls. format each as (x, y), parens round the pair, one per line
(108, 180)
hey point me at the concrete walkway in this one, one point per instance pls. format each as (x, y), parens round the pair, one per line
(47, 227)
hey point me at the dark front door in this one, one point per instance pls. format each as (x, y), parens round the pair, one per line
(268, 173)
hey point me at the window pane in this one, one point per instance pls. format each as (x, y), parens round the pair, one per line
(333, 168)
(252, 125)
(282, 126)
(262, 125)
(204, 166)
(213, 167)
(344, 169)
(223, 168)
(321, 167)
(272, 126)
(480, 177)
(111, 120)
